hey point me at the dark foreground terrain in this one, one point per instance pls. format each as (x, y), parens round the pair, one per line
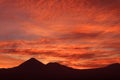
(32, 69)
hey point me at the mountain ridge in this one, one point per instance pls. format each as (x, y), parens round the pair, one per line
(57, 64)
(33, 69)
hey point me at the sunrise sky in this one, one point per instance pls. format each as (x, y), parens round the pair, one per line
(77, 33)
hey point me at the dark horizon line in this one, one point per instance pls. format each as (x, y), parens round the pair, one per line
(60, 64)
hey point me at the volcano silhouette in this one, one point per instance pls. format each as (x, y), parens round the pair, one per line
(33, 69)
(32, 64)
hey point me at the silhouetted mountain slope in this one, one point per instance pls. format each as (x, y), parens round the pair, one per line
(31, 64)
(32, 69)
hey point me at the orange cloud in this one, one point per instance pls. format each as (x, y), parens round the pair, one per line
(76, 33)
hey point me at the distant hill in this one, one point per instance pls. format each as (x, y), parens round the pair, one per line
(32, 69)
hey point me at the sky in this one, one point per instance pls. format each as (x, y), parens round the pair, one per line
(80, 34)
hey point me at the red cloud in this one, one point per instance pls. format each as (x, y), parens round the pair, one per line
(71, 32)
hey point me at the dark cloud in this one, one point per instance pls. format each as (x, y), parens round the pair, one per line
(111, 4)
(83, 56)
(80, 35)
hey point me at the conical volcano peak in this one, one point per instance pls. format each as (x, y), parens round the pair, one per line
(32, 63)
(32, 59)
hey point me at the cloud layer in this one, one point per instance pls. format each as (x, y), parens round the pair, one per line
(77, 33)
